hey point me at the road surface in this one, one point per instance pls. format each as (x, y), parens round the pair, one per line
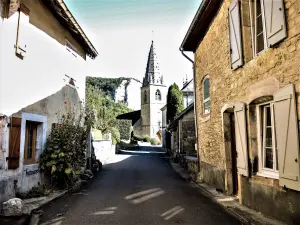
(136, 188)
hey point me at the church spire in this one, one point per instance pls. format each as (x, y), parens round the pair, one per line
(152, 75)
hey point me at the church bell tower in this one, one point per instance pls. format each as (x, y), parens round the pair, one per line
(153, 96)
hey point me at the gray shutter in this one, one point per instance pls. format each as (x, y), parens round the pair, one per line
(241, 138)
(235, 35)
(286, 129)
(275, 21)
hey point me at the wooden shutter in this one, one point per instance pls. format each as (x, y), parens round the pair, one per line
(275, 21)
(14, 143)
(235, 35)
(241, 138)
(23, 36)
(286, 129)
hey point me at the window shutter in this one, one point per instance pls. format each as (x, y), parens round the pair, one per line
(241, 138)
(235, 35)
(14, 143)
(286, 129)
(23, 36)
(275, 21)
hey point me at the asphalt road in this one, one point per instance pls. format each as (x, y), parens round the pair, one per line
(136, 189)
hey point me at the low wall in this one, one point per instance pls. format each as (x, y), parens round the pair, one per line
(212, 175)
(104, 149)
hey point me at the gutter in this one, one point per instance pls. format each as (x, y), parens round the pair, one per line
(195, 101)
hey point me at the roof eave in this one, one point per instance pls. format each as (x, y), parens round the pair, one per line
(88, 47)
(200, 24)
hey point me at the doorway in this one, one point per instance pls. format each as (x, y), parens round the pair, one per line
(231, 177)
(233, 155)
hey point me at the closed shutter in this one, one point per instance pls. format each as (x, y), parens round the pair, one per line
(235, 35)
(241, 138)
(275, 21)
(14, 143)
(286, 129)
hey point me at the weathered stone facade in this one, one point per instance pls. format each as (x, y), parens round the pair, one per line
(260, 76)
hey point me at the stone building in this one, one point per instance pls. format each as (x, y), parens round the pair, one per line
(246, 70)
(153, 96)
(40, 43)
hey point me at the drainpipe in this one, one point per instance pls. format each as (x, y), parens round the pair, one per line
(195, 104)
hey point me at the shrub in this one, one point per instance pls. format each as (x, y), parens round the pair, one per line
(138, 138)
(153, 141)
(147, 138)
(64, 153)
(124, 127)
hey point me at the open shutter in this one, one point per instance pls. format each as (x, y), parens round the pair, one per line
(286, 128)
(275, 21)
(22, 36)
(235, 35)
(14, 143)
(241, 138)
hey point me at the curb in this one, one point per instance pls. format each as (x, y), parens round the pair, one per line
(230, 204)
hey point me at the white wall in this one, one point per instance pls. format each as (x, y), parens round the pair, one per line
(40, 73)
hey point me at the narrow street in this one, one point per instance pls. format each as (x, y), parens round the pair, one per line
(136, 188)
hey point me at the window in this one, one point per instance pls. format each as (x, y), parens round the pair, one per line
(206, 96)
(268, 24)
(30, 142)
(269, 156)
(259, 36)
(157, 95)
(145, 97)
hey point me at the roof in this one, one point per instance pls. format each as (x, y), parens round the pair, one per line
(200, 24)
(164, 107)
(152, 75)
(186, 84)
(65, 17)
(133, 116)
(180, 115)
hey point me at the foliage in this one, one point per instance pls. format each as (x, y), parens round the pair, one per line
(35, 192)
(174, 102)
(138, 138)
(64, 153)
(147, 138)
(105, 111)
(127, 146)
(107, 85)
(153, 141)
(124, 127)
(115, 134)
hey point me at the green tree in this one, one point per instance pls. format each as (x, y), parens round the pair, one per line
(105, 111)
(174, 102)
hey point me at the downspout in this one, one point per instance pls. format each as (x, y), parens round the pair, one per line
(195, 103)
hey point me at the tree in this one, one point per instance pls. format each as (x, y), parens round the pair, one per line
(105, 110)
(174, 102)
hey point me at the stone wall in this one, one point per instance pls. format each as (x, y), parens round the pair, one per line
(188, 137)
(272, 69)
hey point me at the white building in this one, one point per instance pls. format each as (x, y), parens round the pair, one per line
(40, 42)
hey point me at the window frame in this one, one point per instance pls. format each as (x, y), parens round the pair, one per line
(205, 100)
(145, 97)
(158, 95)
(253, 21)
(31, 160)
(261, 127)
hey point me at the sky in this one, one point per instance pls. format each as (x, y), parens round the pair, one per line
(121, 31)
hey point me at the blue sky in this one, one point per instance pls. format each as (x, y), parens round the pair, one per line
(122, 33)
